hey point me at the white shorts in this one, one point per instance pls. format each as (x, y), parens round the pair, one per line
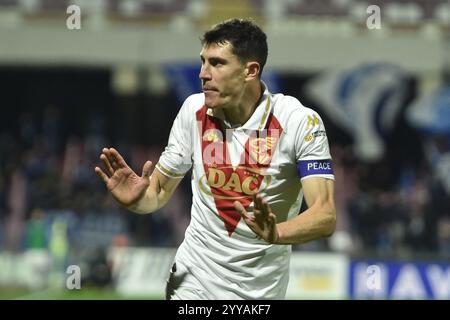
(180, 285)
(191, 283)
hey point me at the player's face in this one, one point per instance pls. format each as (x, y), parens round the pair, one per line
(222, 76)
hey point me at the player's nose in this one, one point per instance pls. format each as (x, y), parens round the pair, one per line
(204, 74)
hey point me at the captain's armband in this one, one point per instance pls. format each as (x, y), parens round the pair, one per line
(313, 167)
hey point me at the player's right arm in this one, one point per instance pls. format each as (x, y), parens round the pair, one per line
(158, 193)
(141, 194)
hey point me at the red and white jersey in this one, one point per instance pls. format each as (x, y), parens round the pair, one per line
(281, 144)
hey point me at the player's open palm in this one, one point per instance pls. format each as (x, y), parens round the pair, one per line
(263, 222)
(124, 184)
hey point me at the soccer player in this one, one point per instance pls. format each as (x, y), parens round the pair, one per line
(255, 155)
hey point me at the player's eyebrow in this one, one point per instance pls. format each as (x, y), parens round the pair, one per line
(214, 60)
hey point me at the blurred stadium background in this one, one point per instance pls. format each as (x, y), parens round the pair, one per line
(119, 81)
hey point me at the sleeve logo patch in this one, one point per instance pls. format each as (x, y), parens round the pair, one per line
(313, 135)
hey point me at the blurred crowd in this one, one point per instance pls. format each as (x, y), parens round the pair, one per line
(51, 198)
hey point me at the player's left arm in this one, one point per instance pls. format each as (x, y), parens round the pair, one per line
(318, 221)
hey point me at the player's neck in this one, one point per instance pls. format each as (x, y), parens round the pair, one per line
(247, 105)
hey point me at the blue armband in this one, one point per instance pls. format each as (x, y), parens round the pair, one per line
(309, 167)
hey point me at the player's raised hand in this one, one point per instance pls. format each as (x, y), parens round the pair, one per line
(263, 222)
(124, 184)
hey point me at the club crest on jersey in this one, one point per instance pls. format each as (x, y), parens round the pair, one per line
(260, 149)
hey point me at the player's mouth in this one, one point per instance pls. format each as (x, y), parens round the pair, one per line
(209, 89)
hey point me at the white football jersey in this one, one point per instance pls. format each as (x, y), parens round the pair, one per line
(281, 144)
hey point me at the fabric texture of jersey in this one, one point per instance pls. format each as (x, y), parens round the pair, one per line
(220, 257)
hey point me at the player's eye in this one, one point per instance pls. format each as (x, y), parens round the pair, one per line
(216, 62)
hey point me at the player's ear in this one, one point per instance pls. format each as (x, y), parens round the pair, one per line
(252, 70)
